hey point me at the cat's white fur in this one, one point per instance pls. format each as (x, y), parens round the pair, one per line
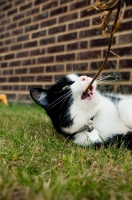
(109, 118)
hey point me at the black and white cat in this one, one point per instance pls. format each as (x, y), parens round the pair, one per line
(71, 111)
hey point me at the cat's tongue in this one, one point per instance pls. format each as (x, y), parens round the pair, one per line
(86, 96)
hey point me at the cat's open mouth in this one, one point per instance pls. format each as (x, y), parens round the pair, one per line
(88, 95)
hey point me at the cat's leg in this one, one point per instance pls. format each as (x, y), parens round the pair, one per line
(87, 139)
(125, 111)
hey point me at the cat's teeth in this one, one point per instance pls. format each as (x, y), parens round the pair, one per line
(88, 92)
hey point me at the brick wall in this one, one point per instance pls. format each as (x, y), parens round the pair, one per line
(42, 40)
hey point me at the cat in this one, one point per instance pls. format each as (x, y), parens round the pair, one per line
(87, 119)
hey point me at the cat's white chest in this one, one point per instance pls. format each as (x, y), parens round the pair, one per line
(108, 121)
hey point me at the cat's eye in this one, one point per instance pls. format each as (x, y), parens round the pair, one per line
(65, 87)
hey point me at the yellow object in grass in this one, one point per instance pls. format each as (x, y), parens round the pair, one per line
(3, 98)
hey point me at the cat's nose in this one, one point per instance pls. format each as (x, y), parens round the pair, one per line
(83, 78)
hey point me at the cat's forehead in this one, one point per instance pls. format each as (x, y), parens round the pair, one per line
(72, 77)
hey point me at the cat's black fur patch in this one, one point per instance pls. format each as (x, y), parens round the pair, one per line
(118, 140)
(58, 101)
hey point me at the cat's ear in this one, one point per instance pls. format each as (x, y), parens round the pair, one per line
(39, 96)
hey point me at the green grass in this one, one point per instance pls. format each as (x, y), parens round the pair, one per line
(37, 163)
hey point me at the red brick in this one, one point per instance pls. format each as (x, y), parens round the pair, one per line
(16, 47)
(48, 23)
(37, 70)
(11, 26)
(27, 78)
(25, 21)
(65, 57)
(124, 39)
(24, 97)
(77, 67)
(88, 55)
(6, 87)
(3, 65)
(2, 2)
(8, 72)
(127, 63)
(90, 33)
(40, 2)
(11, 12)
(22, 54)
(31, 28)
(80, 4)
(32, 11)
(100, 42)
(128, 13)
(68, 17)
(50, 5)
(2, 80)
(39, 34)
(11, 96)
(58, 77)
(55, 68)
(66, 37)
(5, 35)
(28, 62)
(14, 63)
(86, 13)
(26, 6)
(5, 21)
(65, 1)
(9, 56)
(40, 16)
(19, 87)
(58, 11)
(125, 26)
(4, 49)
(123, 51)
(21, 71)
(44, 78)
(109, 65)
(7, 7)
(46, 59)
(30, 44)
(23, 38)
(2, 15)
(2, 29)
(72, 46)
(17, 32)
(37, 52)
(19, 2)
(54, 49)
(47, 41)
(57, 29)
(13, 79)
(80, 24)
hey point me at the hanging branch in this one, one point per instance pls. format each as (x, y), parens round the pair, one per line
(106, 7)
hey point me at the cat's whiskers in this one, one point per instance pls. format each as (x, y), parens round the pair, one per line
(115, 76)
(60, 99)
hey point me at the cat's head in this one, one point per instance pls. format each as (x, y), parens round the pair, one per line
(65, 102)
